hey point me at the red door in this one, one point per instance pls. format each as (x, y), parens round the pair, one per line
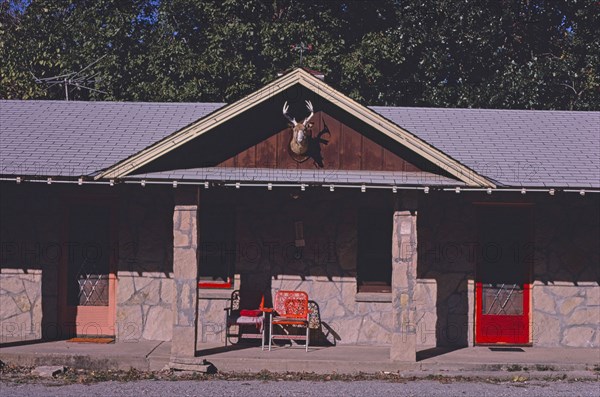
(503, 275)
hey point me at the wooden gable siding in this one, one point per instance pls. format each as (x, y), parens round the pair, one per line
(347, 150)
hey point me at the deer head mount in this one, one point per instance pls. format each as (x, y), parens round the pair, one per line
(301, 133)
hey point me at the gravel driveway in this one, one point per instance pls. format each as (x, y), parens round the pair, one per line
(419, 388)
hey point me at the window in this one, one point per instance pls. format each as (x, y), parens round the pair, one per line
(374, 267)
(217, 247)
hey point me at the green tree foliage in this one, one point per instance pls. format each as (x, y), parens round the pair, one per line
(530, 54)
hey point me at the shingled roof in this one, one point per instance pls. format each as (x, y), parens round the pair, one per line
(511, 147)
(60, 138)
(536, 148)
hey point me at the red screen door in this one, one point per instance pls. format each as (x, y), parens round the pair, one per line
(502, 281)
(89, 279)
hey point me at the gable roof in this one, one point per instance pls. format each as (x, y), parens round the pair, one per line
(515, 148)
(318, 87)
(60, 138)
(524, 148)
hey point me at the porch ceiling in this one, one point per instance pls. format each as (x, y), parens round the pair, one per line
(316, 176)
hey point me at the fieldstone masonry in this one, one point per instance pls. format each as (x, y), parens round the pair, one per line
(144, 306)
(346, 317)
(566, 315)
(145, 286)
(30, 254)
(566, 291)
(404, 279)
(211, 318)
(425, 297)
(157, 269)
(325, 270)
(20, 305)
(185, 273)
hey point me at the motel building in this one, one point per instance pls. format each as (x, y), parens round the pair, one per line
(411, 228)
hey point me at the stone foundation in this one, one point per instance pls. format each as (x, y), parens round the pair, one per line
(346, 317)
(30, 256)
(144, 306)
(566, 315)
(20, 305)
(145, 286)
(566, 291)
(425, 297)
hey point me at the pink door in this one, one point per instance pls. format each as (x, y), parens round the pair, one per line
(88, 277)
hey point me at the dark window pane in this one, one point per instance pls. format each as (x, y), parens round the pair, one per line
(374, 272)
(217, 244)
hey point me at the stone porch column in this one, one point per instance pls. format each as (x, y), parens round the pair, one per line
(185, 273)
(404, 280)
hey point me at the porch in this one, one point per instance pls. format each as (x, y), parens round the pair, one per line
(154, 356)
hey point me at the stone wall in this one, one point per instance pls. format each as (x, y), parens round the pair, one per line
(20, 305)
(144, 306)
(566, 292)
(446, 269)
(347, 318)
(325, 267)
(566, 315)
(185, 274)
(426, 315)
(566, 275)
(32, 230)
(145, 286)
(211, 316)
(566, 269)
(30, 254)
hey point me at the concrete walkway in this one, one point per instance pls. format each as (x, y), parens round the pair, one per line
(154, 355)
(370, 359)
(141, 355)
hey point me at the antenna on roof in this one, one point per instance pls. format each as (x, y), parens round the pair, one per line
(73, 79)
(301, 48)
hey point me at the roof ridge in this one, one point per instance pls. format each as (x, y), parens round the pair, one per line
(108, 102)
(373, 107)
(484, 109)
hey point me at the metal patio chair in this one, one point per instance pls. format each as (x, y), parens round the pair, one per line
(290, 308)
(239, 318)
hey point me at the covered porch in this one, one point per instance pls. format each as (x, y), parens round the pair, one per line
(430, 303)
(370, 304)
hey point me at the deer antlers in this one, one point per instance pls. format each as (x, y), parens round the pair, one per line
(287, 116)
(312, 113)
(292, 120)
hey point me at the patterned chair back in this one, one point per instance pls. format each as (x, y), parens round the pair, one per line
(291, 304)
